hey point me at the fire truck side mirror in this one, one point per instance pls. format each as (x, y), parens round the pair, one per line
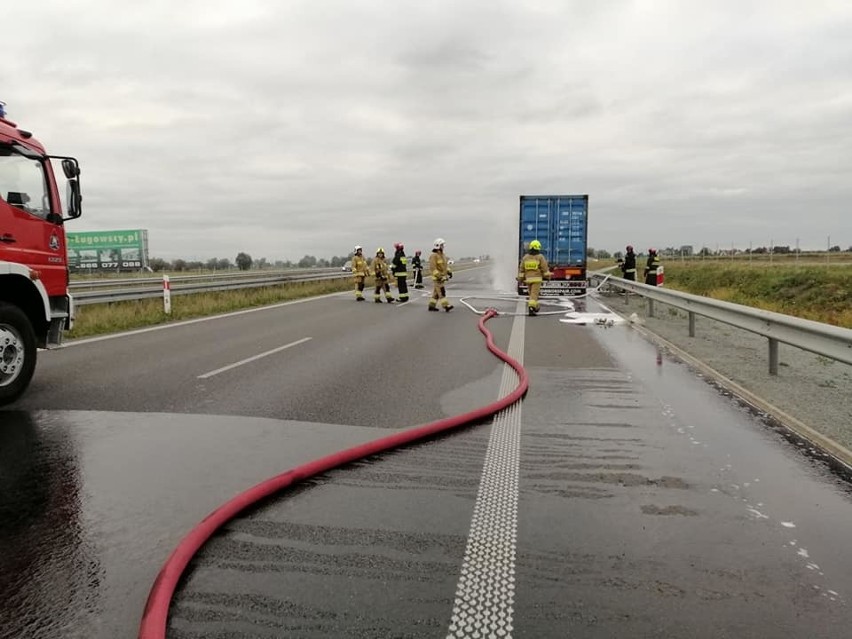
(70, 168)
(74, 199)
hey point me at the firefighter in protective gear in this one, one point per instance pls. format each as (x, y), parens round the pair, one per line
(532, 270)
(440, 271)
(400, 271)
(651, 267)
(417, 267)
(360, 271)
(381, 274)
(628, 265)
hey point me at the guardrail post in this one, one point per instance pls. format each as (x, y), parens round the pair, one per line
(691, 324)
(167, 295)
(650, 308)
(773, 356)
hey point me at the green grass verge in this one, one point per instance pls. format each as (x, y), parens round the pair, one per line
(99, 319)
(819, 293)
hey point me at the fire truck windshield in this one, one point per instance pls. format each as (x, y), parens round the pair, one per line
(23, 183)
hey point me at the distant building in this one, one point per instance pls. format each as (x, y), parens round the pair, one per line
(686, 249)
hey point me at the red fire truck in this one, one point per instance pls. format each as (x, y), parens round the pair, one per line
(35, 306)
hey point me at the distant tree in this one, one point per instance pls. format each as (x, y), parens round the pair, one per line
(760, 250)
(781, 250)
(602, 254)
(157, 264)
(262, 263)
(223, 264)
(243, 261)
(323, 263)
(590, 252)
(309, 261)
(212, 263)
(704, 252)
(194, 265)
(338, 260)
(179, 265)
(834, 249)
(618, 255)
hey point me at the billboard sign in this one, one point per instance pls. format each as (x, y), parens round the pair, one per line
(108, 250)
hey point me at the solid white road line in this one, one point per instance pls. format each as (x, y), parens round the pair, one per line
(485, 595)
(254, 357)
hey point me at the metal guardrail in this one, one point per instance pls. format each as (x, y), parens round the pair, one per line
(829, 341)
(98, 284)
(105, 291)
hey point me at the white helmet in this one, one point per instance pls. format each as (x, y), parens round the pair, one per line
(357, 248)
(438, 244)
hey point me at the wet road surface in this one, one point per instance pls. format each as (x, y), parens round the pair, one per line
(647, 502)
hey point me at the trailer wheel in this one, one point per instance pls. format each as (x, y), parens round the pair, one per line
(17, 352)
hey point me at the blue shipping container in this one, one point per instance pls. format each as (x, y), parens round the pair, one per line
(560, 223)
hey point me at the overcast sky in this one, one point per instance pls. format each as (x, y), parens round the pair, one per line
(285, 128)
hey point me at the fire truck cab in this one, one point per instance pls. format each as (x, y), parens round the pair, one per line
(35, 305)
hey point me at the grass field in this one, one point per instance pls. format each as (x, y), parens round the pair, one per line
(802, 259)
(810, 289)
(97, 319)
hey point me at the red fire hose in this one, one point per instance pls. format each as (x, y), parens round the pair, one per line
(155, 618)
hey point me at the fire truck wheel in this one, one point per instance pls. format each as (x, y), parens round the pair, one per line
(17, 352)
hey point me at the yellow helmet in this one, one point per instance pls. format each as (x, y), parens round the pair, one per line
(535, 245)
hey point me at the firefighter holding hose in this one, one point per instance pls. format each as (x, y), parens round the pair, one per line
(417, 267)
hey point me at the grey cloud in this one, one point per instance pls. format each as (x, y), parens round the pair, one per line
(292, 128)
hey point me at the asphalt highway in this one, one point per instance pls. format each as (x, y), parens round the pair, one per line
(625, 496)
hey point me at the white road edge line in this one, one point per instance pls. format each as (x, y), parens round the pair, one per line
(254, 357)
(485, 594)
